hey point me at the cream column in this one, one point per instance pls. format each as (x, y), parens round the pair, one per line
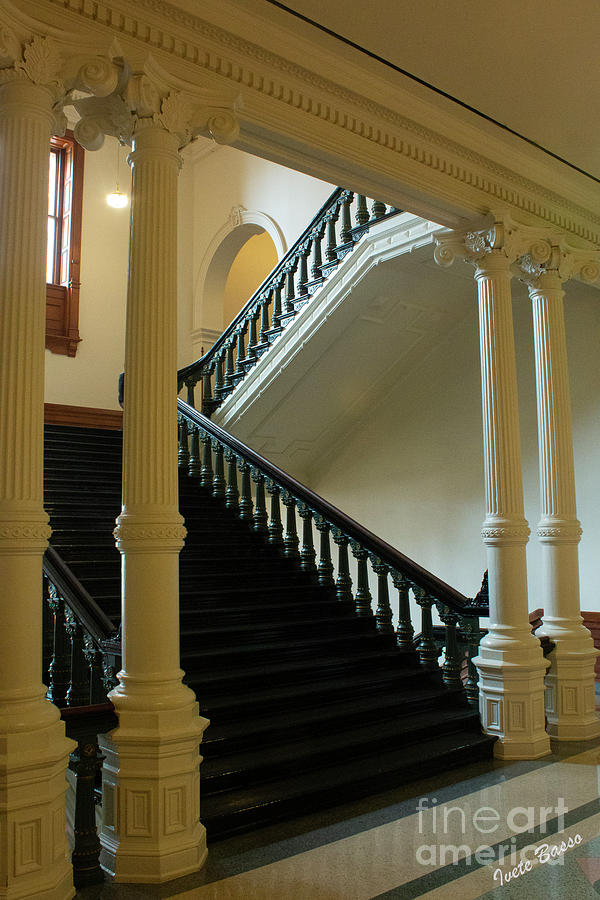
(510, 663)
(33, 748)
(152, 831)
(570, 700)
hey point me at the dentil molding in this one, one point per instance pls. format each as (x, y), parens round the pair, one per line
(299, 112)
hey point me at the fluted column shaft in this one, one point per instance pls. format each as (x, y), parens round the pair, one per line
(33, 749)
(510, 662)
(151, 776)
(570, 706)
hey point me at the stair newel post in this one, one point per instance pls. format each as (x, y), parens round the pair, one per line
(84, 762)
(383, 613)
(343, 582)
(404, 631)
(290, 538)
(325, 567)
(303, 270)
(307, 550)
(231, 491)
(346, 225)
(427, 650)
(228, 376)
(59, 671)
(246, 504)
(362, 597)
(289, 283)
(195, 465)
(331, 218)
(95, 663)
(362, 212)
(206, 469)
(265, 300)
(451, 668)
(471, 633)
(317, 261)
(219, 376)
(378, 209)
(241, 350)
(275, 529)
(218, 482)
(183, 455)
(79, 688)
(260, 517)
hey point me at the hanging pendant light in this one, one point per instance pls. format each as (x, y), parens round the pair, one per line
(117, 199)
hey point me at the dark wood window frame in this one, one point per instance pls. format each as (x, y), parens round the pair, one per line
(62, 295)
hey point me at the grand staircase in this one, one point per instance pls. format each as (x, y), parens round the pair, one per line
(311, 702)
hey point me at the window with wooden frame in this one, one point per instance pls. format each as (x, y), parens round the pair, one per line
(65, 194)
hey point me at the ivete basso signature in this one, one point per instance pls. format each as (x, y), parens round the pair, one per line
(544, 853)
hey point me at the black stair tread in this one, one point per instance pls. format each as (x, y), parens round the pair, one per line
(337, 782)
(214, 632)
(383, 701)
(410, 728)
(311, 644)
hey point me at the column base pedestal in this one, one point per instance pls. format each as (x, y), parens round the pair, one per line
(570, 683)
(511, 698)
(151, 831)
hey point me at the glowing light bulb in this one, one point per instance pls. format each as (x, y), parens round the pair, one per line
(118, 200)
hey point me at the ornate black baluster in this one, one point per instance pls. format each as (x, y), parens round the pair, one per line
(47, 633)
(246, 505)
(303, 270)
(290, 291)
(252, 337)
(346, 226)
(307, 550)
(206, 470)
(290, 538)
(343, 582)
(470, 631)
(275, 526)
(331, 218)
(208, 401)
(426, 649)
(195, 465)
(264, 319)
(362, 211)
(228, 376)
(241, 352)
(219, 386)
(378, 209)
(95, 662)
(218, 482)
(79, 688)
(231, 491)
(276, 319)
(190, 384)
(362, 597)
(259, 520)
(451, 669)
(59, 670)
(383, 613)
(325, 567)
(183, 456)
(316, 237)
(405, 631)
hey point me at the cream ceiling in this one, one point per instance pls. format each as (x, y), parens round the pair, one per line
(533, 65)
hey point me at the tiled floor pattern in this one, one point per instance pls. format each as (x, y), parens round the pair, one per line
(414, 842)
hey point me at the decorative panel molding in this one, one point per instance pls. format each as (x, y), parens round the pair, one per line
(28, 846)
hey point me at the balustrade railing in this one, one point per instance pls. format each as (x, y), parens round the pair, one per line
(330, 236)
(80, 657)
(307, 513)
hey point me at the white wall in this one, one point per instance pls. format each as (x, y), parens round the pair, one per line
(413, 472)
(90, 378)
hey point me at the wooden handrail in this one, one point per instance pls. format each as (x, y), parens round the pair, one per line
(83, 605)
(392, 557)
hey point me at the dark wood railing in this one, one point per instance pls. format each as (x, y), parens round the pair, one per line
(216, 458)
(340, 223)
(80, 653)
